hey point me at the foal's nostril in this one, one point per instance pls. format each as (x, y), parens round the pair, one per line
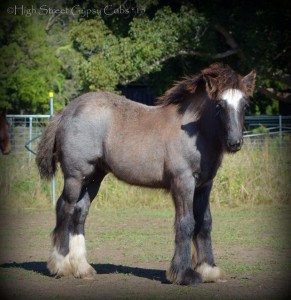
(234, 144)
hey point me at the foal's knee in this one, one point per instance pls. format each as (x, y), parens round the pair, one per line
(203, 225)
(206, 227)
(80, 214)
(185, 226)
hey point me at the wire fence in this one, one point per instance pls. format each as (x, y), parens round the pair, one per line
(267, 125)
(278, 128)
(25, 131)
(262, 134)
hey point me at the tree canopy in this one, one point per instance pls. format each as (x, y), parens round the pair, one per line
(71, 47)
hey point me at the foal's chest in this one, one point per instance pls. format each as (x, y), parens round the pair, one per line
(208, 169)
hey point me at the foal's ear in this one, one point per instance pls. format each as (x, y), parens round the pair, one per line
(211, 86)
(249, 82)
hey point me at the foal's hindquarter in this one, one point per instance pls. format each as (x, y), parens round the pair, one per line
(142, 146)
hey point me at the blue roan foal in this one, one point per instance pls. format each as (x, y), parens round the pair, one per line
(177, 145)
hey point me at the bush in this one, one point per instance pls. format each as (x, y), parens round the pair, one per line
(260, 129)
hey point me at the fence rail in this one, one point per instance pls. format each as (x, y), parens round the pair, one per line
(25, 130)
(267, 125)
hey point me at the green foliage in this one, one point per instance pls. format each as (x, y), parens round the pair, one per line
(29, 69)
(260, 129)
(74, 54)
(109, 60)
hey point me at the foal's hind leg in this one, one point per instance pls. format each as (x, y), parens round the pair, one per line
(59, 262)
(77, 249)
(202, 254)
(69, 254)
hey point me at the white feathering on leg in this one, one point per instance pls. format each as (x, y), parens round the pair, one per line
(210, 274)
(59, 264)
(77, 255)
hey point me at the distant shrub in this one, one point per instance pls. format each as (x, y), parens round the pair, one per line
(260, 129)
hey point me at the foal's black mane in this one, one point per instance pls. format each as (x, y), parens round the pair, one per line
(214, 79)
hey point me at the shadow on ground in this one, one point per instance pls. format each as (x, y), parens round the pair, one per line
(40, 268)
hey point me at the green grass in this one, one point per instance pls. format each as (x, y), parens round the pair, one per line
(264, 228)
(258, 174)
(251, 244)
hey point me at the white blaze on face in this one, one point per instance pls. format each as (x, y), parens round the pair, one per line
(232, 97)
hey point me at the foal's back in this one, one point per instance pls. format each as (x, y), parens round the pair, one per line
(129, 139)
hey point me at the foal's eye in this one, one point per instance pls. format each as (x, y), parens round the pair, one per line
(218, 106)
(246, 106)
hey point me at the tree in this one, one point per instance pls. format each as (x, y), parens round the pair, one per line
(110, 60)
(102, 46)
(260, 31)
(28, 66)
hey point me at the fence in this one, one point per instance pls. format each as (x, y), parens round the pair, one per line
(267, 125)
(25, 130)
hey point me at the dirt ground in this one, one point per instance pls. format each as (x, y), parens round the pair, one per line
(131, 251)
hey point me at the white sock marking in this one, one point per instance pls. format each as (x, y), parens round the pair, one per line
(210, 274)
(77, 246)
(78, 256)
(59, 264)
(74, 262)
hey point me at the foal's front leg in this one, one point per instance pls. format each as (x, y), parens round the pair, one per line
(202, 254)
(181, 271)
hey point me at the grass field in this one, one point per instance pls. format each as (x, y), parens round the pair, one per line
(130, 237)
(258, 174)
(131, 249)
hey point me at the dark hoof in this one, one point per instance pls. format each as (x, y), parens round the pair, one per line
(191, 277)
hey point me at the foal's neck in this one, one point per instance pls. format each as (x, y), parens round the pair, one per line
(209, 125)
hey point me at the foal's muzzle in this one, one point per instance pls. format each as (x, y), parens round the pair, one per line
(234, 145)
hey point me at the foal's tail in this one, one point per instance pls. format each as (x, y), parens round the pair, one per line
(47, 157)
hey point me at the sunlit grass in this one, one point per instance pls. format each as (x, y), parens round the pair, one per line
(258, 174)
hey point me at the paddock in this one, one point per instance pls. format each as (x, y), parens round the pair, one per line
(130, 260)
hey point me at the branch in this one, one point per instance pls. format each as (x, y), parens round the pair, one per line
(181, 53)
(54, 18)
(284, 78)
(229, 39)
(226, 53)
(57, 18)
(272, 93)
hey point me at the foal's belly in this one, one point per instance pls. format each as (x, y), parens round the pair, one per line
(137, 165)
(138, 173)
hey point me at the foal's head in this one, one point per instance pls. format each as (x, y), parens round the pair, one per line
(5, 145)
(230, 93)
(216, 92)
